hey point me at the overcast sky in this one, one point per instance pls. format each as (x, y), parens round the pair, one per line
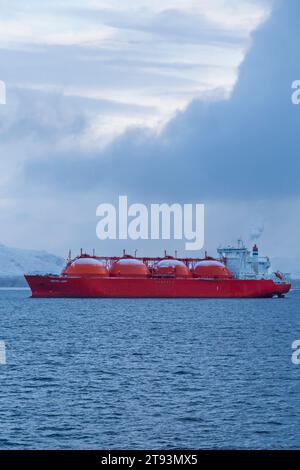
(167, 101)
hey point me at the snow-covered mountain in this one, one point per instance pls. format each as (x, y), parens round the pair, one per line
(16, 262)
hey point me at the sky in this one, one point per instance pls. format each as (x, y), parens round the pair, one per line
(167, 101)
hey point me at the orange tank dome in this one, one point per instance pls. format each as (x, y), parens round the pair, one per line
(129, 267)
(86, 266)
(172, 267)
(211, 269)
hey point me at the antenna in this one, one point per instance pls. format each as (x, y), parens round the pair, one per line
(94, 252)
(135, 252)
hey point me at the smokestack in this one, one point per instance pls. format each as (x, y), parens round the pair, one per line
(255, 258)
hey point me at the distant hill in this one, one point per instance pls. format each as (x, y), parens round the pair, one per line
(14, 262)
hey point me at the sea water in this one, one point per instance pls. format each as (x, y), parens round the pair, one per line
(134, 374)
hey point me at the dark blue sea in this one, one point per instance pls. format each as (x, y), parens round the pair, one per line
(134, 374)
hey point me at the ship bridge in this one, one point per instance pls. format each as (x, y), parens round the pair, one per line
(244, 264)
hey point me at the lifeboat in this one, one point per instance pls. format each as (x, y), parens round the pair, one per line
(129, 267)
(211, 269)
(86, 267)
(172, 268)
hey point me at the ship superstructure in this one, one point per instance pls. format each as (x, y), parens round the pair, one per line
(243, 263)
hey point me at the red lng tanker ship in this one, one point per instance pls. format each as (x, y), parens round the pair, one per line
(236, 274)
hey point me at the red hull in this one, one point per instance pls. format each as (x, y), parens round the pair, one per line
(91, 286)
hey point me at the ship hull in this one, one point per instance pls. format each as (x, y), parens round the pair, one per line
(97, 287)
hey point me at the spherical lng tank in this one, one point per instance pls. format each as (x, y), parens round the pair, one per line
(172, 267)
(129, 267)
(211, 269)
(86, 267)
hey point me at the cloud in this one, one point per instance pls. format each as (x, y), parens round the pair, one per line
(69, 97)
(234, 16)
(169, 24)
(152, 54)
(245, 147)
(235, 150)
